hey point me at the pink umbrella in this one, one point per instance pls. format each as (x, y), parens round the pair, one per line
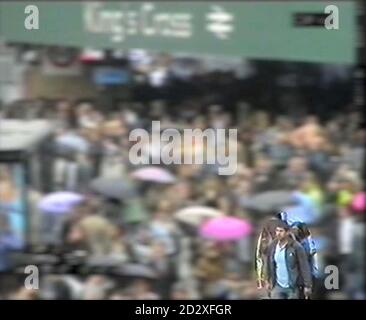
(225, 228)
(154, 174)
(359, 202)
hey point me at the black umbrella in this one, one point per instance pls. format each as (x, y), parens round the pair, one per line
(268, 202)
(113, 188)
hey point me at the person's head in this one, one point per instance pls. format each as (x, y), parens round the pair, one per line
(283, 123)
(263, 164)
(282, 231)
(164, 206)
(311, 119)
(309, 182)
(96, 287)
(141, 286)
(75, 235)
(5, 174)
(179, 292)
(120, 295)
(210, 249)
(297, 164)
(224, 204)
(300, 231)
(80, 210)
(8, 191)
(63, 106)
(261, 119)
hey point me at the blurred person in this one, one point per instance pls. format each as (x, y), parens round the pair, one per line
(65, 117)
(120, 295)
(244, 192)
(311, 187)
(24, 294)
(264, 177)
(294, 173)
(345, 233)
(60, 287)
(12, 206)
(88, 116)
(260, 120)
(66, 172)
(307, 134)
(347, 187)
(353, 153)
(95, 152)
(165, 267)
(234, 284)
(318, 157)
(9, 241)
(209, 270)
(244, 254)
(96, 287)
(112, 163)
(75, 240)
(333, 131)
(142, 290)
(84, 172)
(162, 225)
(98, 231)
(120, 249)
(279, 149)
(357, 278)
(288, 266)
(261, 135)
(180, 292)
(180, 193)
(302, 234)
(225, 205)
(210, 197)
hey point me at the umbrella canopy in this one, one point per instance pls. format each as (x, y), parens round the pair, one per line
(136, 270)
(59, 202)
(196, 215)
(359, 202)
(299, 213)
(304, 209)
(268, 201)
(112, 188)
(73, 141)
(153, 174)
(225, 228)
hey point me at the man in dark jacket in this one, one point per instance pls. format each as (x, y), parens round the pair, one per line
(288, 268)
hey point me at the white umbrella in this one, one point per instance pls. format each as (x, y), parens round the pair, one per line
(73, 141)
(197, 214)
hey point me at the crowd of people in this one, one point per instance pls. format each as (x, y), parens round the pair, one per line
(320, 159)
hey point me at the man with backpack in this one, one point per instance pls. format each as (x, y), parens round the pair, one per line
(288, 269)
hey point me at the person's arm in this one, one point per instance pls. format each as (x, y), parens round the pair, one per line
(304, 266)
(268, 273)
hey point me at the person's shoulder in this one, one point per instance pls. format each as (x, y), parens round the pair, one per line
(272, 244)
(295, 244)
